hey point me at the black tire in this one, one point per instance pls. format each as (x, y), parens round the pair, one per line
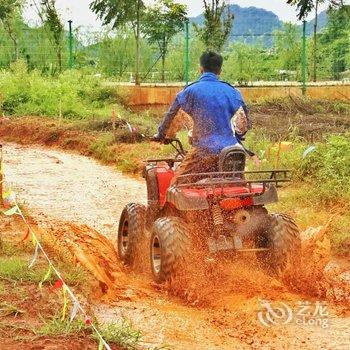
(170, 244)
(282, 238)
(131, 232)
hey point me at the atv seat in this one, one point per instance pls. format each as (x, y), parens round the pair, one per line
(232, 159)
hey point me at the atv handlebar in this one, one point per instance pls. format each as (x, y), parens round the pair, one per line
(177, 145)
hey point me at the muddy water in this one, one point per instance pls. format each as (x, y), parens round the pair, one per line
(68, 187)
(59, 187)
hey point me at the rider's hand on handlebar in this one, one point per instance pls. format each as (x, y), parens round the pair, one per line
(158, 138)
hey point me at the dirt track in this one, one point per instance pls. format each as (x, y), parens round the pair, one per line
(61, 187)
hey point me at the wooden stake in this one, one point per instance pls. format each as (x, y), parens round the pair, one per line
(278, 156)
(113, 125)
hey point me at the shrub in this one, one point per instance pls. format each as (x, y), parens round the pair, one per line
(329, 167)
(72, 94)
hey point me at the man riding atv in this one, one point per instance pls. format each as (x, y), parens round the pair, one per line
(205, 200)
(213, 105)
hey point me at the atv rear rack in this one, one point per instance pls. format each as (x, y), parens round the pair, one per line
(217, 180)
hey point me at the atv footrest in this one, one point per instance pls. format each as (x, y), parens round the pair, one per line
(223, 243)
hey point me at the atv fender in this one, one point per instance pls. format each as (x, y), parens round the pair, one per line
(269, 196)
(182, 202)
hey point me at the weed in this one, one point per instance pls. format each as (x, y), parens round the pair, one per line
(72, 94)
(124, 335)
(16, 269)
(9, 310)
(56, 327)
(73, 275)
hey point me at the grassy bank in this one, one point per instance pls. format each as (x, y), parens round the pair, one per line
(31, 316)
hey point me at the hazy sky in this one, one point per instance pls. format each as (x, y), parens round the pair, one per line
(78, 10)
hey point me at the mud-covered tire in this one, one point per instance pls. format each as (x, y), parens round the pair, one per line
(282, 238)
(169, 248)
(131, 232)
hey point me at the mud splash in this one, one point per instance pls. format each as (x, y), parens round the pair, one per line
(205, 281)
(215, 309)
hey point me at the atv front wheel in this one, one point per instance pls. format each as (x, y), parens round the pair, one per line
(131, 232)
(282, 239)
(170, 243)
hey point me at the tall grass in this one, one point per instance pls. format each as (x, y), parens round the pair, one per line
(73, 94)
(326, 169)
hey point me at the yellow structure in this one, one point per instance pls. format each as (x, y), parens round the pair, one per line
(164, 95)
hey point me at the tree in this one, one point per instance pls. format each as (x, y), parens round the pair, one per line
(304, 7)
(52, 20)
(9, 11)
(119, 13)
(162, 22)
(218, 21)
(287, 46)
(334, 42)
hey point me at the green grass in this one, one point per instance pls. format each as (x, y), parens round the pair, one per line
(71, 95)
(123, 335)
(56, 327)
(16, 269)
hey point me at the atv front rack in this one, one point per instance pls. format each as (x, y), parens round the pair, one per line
(220, 180)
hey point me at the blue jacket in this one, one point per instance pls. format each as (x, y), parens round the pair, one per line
(212, 104)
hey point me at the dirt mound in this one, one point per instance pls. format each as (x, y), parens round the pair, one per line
(93, 251)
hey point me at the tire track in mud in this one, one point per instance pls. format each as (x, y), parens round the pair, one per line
(68, 187)
(65, 191)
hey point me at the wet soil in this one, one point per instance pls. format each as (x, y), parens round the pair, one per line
(78, 201)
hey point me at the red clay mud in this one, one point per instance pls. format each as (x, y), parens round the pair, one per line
(216, 304)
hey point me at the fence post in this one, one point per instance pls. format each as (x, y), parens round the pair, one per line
(187, 51)
(304, 60)
(70, 45)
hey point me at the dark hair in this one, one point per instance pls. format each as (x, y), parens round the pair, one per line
(211, 62)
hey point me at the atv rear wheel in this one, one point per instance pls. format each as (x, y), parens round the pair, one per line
(131, 232)
(170, 244)
(282, 238)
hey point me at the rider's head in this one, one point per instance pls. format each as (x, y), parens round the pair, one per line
(211, 62)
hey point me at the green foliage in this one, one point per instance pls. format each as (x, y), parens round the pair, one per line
(287, 45)
(162, 22)
(9, 13)
(73, 94)
(304, 7)
(246, 63)
(16, 268)
(218, 21)
(120, 13)
(53, 21)
(122, 334)
(117, 13)
(334, 55)
(56, 327)
(329, 169)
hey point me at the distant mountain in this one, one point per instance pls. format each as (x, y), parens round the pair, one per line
(252, 24)
(322, 22)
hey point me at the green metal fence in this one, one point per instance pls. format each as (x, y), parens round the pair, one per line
(285, 55)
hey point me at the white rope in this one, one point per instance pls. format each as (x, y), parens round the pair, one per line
(70, 292)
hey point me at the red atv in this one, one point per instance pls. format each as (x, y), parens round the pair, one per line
(214, 212)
